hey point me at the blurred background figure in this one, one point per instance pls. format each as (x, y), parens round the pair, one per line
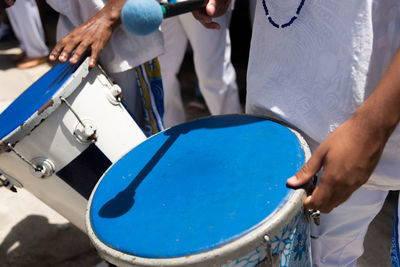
(26, 23)
(212, 62)
(252, 10)
(5, 31)
(197, 105)
(5, 28)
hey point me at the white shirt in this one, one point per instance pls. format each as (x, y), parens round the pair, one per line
(123, 51)
(316, 72)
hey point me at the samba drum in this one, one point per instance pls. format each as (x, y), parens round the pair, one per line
(211, 192)
(62, 133)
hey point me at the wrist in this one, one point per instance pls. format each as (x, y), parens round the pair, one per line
(381, 110)
(377, 118)
(111, 13)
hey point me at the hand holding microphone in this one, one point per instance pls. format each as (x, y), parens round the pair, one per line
(142, 17)
(6, 3)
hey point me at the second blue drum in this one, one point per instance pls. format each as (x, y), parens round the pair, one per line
(210, 192)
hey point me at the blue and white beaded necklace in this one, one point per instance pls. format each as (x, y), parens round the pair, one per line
(276, 25)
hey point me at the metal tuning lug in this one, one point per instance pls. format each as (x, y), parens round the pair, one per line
(86, 132)
(270, 260)
(9, 182)
(115, 95)
(312, 214)
(44, 167)
(316, 216)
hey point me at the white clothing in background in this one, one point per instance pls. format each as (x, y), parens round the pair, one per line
(212, 62)
(315, 73)
(122, 53)
(5, 30)
(25, 21)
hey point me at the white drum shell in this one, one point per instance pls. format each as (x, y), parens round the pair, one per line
(117, 133)
(222, 256)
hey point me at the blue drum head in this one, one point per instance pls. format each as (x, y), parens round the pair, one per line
(196, 186)
(38, 95)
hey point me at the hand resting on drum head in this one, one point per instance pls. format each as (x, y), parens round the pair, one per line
(92, 35)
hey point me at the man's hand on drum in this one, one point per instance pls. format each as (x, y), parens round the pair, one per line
(348, 157)
(350, 153)
(213, 9)
(92, 35)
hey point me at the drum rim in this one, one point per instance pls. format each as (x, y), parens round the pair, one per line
(68, 87)
(233, 250)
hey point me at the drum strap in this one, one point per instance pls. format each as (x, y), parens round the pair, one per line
(152, 93)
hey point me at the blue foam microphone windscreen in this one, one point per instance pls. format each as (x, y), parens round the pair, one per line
(141, 17)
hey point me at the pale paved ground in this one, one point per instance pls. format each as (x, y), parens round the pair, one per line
(31, 234)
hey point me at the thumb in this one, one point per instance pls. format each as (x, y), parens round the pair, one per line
(211, 7)
(307, 172)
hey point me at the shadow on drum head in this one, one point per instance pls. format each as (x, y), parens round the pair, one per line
(125, 199)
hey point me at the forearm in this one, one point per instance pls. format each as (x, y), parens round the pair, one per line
(380, 113)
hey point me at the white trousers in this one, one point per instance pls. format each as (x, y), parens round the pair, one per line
(25, 20)
(338, 241)
(212, 62)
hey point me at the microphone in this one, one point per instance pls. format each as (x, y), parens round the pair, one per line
(142, 17)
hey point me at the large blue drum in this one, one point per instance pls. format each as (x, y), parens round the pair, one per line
(211, 192)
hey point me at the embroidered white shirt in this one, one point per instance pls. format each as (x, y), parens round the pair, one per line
(317, 72)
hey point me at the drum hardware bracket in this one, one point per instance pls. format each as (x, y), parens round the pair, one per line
(313, 214)
(115, 95)
(36, 168)
(42, 167)
(270, 260)
(87, 134)
(9, 182)
(45, 167)
(316, 216)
